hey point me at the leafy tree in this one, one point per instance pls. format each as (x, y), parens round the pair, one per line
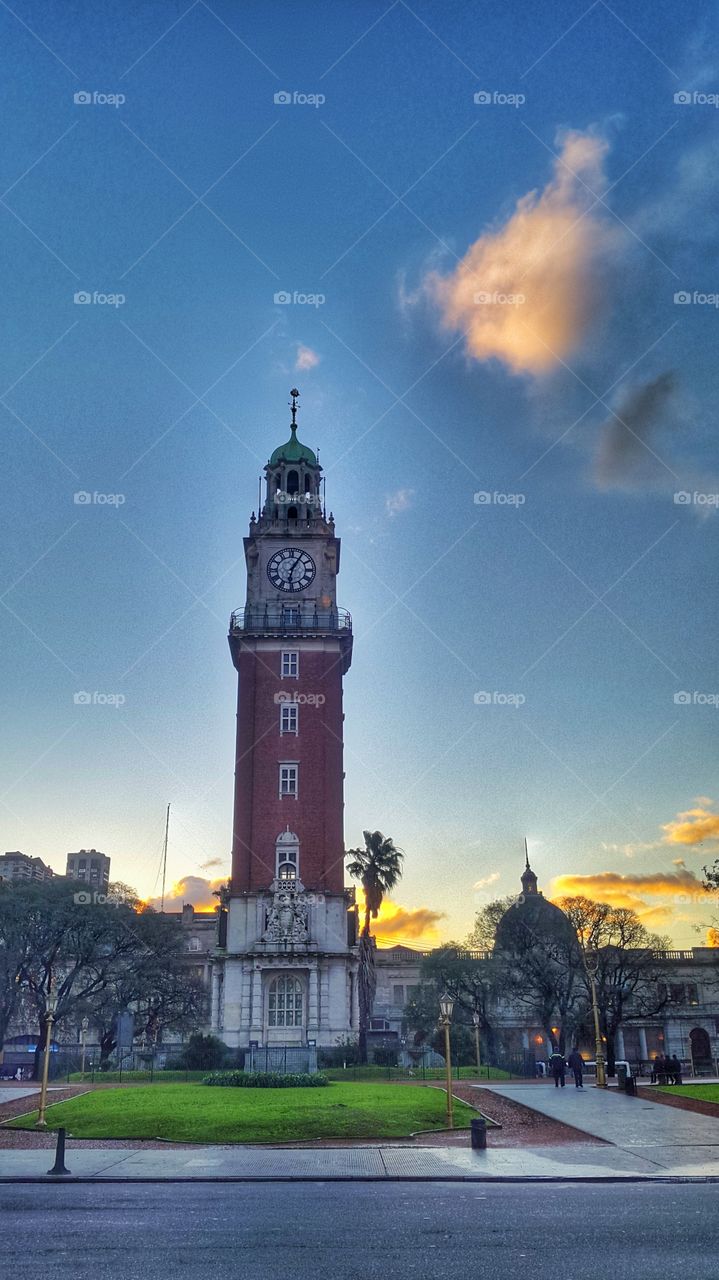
(96, 958)
(630, 979)
(153, 982)
(482, 935)
(471, 983)
(13, 954)
(378, 867)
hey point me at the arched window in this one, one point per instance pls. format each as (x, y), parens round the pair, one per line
(293, 482)
(286, 1002)
(287, 856)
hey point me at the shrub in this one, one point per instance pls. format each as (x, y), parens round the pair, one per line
(266, 1080)
(203, 1053)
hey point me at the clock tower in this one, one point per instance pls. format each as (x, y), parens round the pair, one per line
(285, 977)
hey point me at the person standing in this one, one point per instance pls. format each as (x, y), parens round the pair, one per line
(557, 1067)
(575, 1062)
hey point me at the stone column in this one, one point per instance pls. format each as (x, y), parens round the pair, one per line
(215, 1015)
(620, 1044)
(313, 1012)
(256, 1028)
(643, 1047)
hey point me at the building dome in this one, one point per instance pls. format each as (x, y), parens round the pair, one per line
(293, 451)
(532, 917)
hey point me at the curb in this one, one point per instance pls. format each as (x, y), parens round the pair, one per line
(593, 1179)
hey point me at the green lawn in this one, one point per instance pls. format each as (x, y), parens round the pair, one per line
(705, 1092)
(195, 1113)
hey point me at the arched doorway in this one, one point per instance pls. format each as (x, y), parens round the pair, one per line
(700, 1047)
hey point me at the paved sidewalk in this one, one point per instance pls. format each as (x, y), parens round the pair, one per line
(609, 1114)
(577, 1163)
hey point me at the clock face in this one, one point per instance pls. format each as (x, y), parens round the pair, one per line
(291, 569)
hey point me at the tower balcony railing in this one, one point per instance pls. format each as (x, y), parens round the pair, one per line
(290, 618)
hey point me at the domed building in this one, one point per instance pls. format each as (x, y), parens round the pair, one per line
(532, 920)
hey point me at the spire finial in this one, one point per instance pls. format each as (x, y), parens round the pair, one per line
(295, 394)
(526, 854)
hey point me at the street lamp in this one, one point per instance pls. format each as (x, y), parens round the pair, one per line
(51, 1005)
(446, 1005)
(475, 1020)
(83, 1033)
(591, 964)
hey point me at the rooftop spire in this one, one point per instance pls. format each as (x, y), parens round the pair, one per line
(293, 405)
(529, 879)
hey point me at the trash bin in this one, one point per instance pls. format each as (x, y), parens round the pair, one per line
(630, 1086)
(478, 1129)
(622, 1076)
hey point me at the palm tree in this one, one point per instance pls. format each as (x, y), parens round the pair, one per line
(378, 867)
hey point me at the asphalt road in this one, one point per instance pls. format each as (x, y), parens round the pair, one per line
(353, 1231)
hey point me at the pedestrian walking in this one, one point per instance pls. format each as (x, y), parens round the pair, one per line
(557, 1067)
(675, 1069)
(575, 1061)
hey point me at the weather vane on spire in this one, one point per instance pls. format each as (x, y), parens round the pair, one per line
(294, 393)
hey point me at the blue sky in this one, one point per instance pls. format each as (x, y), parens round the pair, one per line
(196, 200)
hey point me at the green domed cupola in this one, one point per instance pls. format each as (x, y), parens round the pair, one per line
(293, 450)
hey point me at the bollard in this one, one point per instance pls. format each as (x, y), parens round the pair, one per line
(478, 1129)
(59, 1165)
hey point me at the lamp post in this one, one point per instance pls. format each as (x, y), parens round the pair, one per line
(446, 1005)
(475, 1020)
(83, 1034)
(41, 1122)
(591, 964)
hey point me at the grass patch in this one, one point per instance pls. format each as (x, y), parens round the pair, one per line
(704, 1092)
(191, 1113)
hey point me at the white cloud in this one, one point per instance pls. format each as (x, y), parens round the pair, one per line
(400, 500)
(306, 358)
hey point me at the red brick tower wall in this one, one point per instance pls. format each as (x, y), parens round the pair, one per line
(260, 814)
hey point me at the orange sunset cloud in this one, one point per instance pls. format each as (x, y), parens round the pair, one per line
(526, 292)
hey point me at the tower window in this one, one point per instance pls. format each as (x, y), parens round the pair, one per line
(287, 856)
(293, 482)
(290, 663)
(286, 1001)
(289, 717)
(289, 780)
